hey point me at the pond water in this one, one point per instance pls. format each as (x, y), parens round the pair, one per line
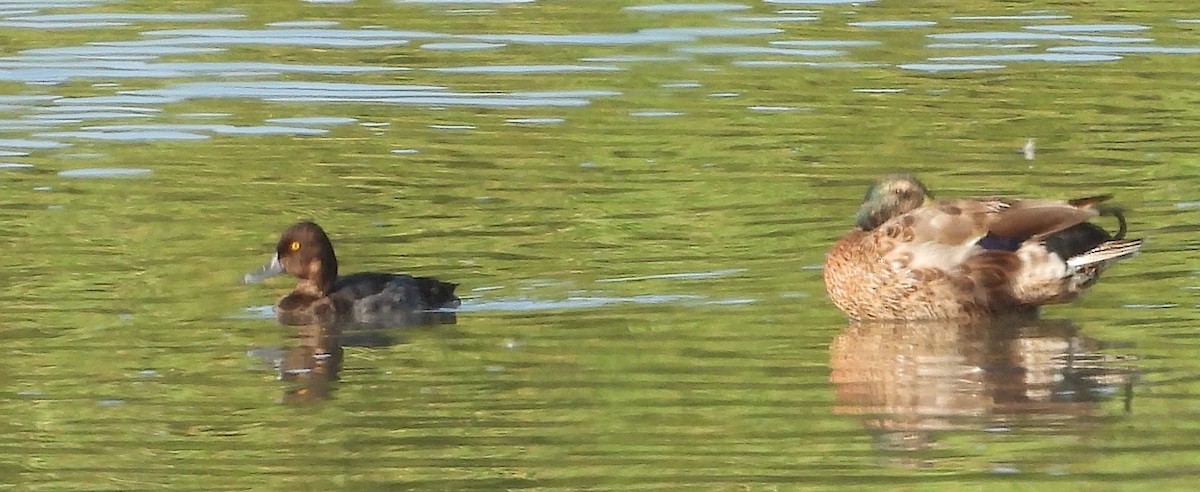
(635, 198)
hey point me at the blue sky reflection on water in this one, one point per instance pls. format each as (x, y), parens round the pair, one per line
(635, 200)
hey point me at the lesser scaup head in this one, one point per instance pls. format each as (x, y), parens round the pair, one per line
(374, 299)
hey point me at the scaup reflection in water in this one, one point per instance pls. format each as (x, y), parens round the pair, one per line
(364, 299)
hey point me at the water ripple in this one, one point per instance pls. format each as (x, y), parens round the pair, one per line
(565, 94)
(778, 18)
(23, 124)
(817, 2)
(79, 108)
(150, 132)
(1118, 50)
(59, 25)
(233, 68)
(1032, 36)
(314, 120)
(831, 43)
(269, 130)
(677, 276)
(535, 121)
(127, 136)
(674, 8)
(32, 144)
(980, 45)
(1029, 17)
(276, 89)
(328, 38)
(893, 24)
(633, 59)
(655, 114)
(109, 51)
(713, 31)
(311, 42)
(304, 24)
(1089, 28)
(587, 39)
(59, 72)
(783, 63)
(217, 34)
(464, 1)
(948, 67)
(1031, 57)
(527, 69)
(755, 50)
(13, 99)
(461, 46)
(105, 172)
(127, 17)
(88, 115)
(118, 99)
(579, 302)
(365, 93)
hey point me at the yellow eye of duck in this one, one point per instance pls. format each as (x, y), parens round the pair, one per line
(295, 246)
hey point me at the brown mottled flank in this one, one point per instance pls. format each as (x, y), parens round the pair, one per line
(910, 257)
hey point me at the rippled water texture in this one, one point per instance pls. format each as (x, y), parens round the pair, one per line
(635, 199)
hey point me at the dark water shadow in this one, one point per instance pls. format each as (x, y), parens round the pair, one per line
(311, 365)
(911, 381)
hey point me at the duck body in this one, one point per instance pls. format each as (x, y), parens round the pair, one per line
(361, 299)
(910, 257)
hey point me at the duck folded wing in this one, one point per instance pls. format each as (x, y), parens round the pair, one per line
(912, 257)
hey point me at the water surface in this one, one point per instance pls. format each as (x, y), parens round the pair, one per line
(636, 199)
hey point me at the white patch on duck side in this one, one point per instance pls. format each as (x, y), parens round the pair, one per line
(1042, 276)
(945, 257)
(949, 224)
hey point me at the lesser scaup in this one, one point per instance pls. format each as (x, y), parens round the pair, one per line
(368, 299)
(912, 257)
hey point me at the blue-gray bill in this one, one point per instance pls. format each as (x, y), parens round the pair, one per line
(271, 269)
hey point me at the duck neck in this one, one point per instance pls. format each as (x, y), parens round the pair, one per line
(872, 215)
(322, 273)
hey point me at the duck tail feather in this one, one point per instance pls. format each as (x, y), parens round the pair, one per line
(1107, 252)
